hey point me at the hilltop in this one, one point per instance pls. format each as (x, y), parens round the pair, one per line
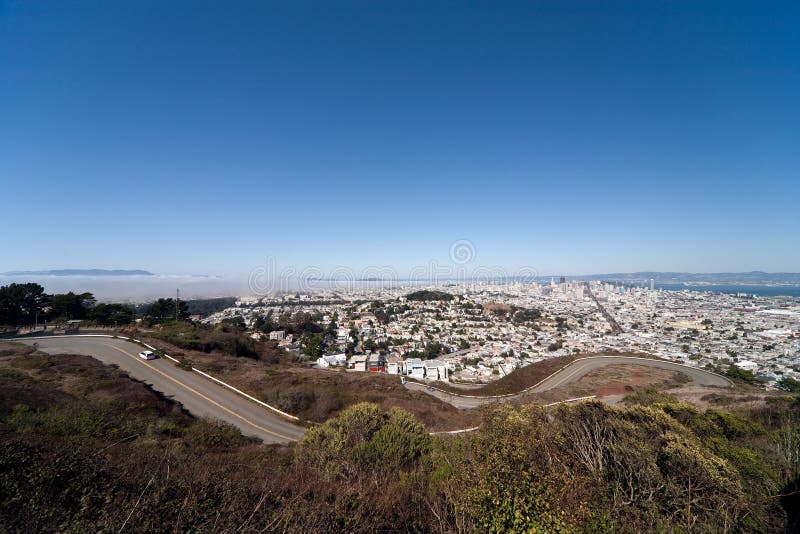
(428, 295)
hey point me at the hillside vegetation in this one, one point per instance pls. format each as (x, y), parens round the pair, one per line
(427, 295)
(206, 307)
(83, 448)
(222, 338)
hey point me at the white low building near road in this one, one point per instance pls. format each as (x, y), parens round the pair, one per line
(747, 365)
(394, 365)
(332, 360)
(358, 362)
(277, 335)
(415, 368)
(436, 370)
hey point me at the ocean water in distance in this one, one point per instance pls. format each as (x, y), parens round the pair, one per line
(759, 291)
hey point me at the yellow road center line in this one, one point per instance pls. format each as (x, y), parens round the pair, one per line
(218, 405)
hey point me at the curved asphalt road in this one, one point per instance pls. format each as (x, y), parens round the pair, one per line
(200, 396)
(573, 372)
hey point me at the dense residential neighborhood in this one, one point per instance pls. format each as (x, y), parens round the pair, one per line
(481, 332)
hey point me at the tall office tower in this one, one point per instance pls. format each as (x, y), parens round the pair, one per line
(652, 284)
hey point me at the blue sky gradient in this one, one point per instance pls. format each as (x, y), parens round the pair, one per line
(573, 137)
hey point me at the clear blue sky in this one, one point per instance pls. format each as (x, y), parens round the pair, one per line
(574, 137)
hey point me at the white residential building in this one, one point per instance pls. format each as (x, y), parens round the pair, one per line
(332, 360)
(747, 365)
(436, 370)
(415, 368)
(394, 365)
(358, 362)
(277, 335)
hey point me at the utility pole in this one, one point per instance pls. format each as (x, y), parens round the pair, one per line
(177, 301)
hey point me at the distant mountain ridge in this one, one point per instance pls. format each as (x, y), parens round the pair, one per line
(82, 272)
(746, 278)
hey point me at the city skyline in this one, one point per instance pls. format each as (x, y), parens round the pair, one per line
(569, 138)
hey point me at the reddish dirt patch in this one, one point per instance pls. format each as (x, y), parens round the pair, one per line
(614, 382)
(633, 376)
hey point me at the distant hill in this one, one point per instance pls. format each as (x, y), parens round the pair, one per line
(82, 272)
(425, 295)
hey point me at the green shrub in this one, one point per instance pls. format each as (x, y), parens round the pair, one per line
(648, 397)
(363, 438)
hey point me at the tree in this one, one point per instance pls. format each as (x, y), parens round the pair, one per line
(313, 345)
(111, 314)
(71, 305)
(235, 323)
(789, 384)
(433, 349)
(164, 310)
(20, 303)
(743, 375)
(264, 323)
(427, 295)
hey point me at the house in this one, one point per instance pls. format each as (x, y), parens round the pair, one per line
(436, 370)
(376, 363)
(339, 359)
(277, 335)
(332, 360)
(747, 365)
(415, 368)
(394, 365)
(358, 362)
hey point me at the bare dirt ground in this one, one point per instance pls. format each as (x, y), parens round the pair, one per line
(614, 382)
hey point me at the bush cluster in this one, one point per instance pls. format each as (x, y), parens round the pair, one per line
(84, 448)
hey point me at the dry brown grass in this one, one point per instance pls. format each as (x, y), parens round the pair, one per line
(78, 376)
(738, 397)
(318, 394)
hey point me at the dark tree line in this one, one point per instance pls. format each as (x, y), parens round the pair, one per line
(165, 310)
(28, 304)
(21, 303)
(24, 304)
